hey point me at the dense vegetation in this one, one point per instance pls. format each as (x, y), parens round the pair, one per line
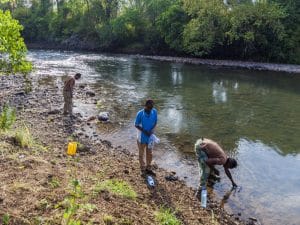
(267, 30)
(12, 46)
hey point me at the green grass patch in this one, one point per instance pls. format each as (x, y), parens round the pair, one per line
(166, 217)
(117, 187)
(7, 118)
(23, 137)
(108, 219)
(5, 219)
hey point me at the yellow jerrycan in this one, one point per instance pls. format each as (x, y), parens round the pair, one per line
(72, 146)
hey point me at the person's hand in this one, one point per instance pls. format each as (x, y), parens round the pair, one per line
(148, 133)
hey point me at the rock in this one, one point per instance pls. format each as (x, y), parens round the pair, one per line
(91, 118)
(54, 111)
(90, 93)
(20, 93)
(82, 86)
(171, 177)
(103, 116)
(253, 219)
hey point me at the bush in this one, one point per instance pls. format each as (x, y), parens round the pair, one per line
(12, 47)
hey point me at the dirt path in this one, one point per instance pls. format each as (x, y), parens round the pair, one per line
(36, 182)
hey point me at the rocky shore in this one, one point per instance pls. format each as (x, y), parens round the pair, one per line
(36, 181)
(75, 44)
(288, 68)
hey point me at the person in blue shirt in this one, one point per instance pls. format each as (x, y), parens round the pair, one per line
(145, 122)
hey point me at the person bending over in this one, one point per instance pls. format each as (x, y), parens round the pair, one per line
(209, 153)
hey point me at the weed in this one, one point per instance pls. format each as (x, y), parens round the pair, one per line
(54, 182)
(7, 117)
(213, 218)
(117, 187)
(5, 219)
(166, 217)
(23, 137)
(43, 204)
(108, 219)
(72, 205)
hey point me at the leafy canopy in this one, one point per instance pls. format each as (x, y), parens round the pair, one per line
(12, 47)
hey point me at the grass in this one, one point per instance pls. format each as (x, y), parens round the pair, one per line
(117, 187)
(5, 219)
(108, 219)
(23, 137)
(7, 117)
(54, 183)
(166, 217)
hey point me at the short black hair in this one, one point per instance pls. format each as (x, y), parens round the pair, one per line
(149, 102)
(78, 75)
(232, 163)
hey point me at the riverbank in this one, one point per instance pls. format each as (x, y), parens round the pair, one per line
(36, 182)
(138, 53)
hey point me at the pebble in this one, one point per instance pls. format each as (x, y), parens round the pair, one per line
(90, 93)
(253, 219)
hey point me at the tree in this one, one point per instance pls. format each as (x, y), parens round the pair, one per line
(291, 23)
(171, 25)
(206, 30)
(257, 32)
(12, 47)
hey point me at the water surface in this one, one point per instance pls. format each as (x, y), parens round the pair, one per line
(254, 115)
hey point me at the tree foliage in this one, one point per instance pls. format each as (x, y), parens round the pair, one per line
(267, 30)
(206, 30)
(256, 31)
(12, 47)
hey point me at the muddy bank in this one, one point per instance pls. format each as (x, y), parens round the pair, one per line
(35, 181)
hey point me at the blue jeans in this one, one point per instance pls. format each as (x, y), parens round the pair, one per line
(205, 169)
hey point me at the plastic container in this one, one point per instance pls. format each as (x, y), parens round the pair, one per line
(203, 197)
(150, 181)
(72, 147)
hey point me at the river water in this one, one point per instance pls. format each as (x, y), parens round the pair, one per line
(255, 116)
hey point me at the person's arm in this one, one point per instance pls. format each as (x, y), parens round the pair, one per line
(72, 84)
(230, 177)
(152, 129)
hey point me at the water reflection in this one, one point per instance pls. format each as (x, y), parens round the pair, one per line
(176, 76)
(219, 92)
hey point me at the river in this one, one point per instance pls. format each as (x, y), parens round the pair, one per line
(254, 115)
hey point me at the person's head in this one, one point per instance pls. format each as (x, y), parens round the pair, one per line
(231, 163)
(149, 105)
(77, 76)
